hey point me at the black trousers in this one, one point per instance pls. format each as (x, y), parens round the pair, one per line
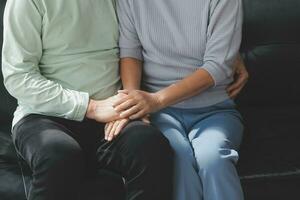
(63, 153)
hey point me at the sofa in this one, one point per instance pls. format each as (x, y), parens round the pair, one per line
(269, 165)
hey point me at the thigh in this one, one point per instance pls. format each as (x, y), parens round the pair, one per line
(37, 137)
(169, 124)
(88, 134)
(174, 131)
(218, 130)
(137, 142)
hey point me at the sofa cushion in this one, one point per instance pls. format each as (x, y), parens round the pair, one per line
(274, 76)
(270, 22)
(271, 145)
(269, 164)
(271, 48)
(7, 150)
(11, 181)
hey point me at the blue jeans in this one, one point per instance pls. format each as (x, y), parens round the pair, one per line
(206, 141)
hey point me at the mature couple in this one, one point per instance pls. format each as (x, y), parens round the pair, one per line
(178, 60)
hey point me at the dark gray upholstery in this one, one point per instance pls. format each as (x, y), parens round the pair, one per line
(270, 103)
(270, 154)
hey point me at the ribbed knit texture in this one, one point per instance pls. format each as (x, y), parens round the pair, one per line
(57, 54)
(175, 38)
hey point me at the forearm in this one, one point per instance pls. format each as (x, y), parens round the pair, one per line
(20, 66)
(139, 103)
(44, 96)
(131, 73)
(190, 86)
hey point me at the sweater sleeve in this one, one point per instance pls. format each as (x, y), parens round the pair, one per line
(129, 42)
(224, 35)
(22, 51)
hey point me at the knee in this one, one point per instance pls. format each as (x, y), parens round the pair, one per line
(183, 156)
(215, 159)
(147, 141)
(182, 149)
(159, 145)
(153, 139)
(58, 154)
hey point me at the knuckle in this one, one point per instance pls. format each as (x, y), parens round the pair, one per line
(131, 101)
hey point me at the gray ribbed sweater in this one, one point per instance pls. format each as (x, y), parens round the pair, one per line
(174, 38)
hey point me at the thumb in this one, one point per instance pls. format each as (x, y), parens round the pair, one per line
(146, 119)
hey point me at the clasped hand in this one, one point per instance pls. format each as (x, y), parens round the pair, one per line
(136, 104)
(133, 105)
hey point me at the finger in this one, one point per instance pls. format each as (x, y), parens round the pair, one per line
(240, 87)
(109, 127)
(106, 125)
(108, 130)
(126, 105)
(123, 91)
(137, 115)
(121, 95)
(234, 93)
(111, 133)
(131, 111)
(120, 101)
(121, 125)
(239, 81)
(146, 119)
(231, 87)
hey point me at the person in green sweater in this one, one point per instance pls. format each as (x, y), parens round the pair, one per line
(60, 60)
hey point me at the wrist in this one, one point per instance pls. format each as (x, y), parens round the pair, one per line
(160, 100)
(131, 88)
(91, 109)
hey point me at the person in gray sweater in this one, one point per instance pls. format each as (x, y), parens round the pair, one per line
(177, 63)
